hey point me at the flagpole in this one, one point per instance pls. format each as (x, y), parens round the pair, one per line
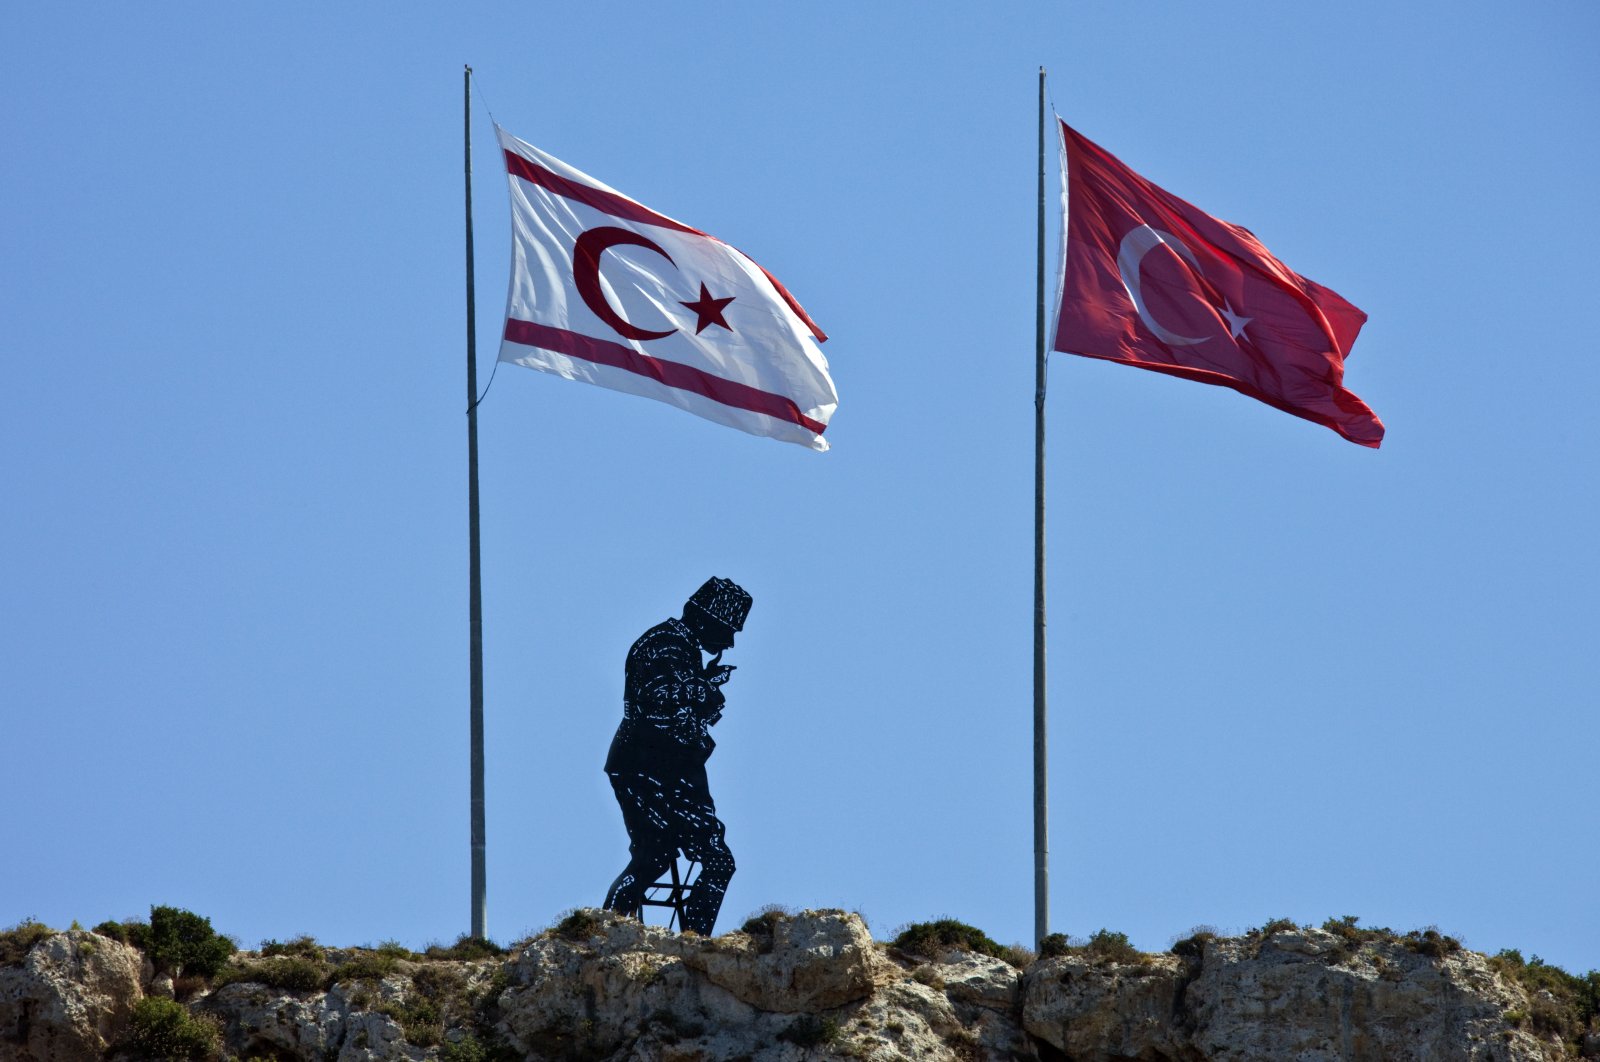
(1041, 807)
(475, 593)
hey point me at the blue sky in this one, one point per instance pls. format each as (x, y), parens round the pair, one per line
(1288, 676)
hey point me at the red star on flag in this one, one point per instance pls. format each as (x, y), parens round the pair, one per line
(708, 310)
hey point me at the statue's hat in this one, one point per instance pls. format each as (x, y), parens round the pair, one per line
(724, 601)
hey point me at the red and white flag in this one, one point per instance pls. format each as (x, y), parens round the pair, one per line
(609, 292)
(1152, 281)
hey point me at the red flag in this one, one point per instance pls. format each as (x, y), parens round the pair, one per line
(1152, 281)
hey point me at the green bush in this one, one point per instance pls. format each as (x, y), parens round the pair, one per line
(1112, 947)
(466, 948)
(1574, 1001)
(185, 943)
(164, 1029)
(1275, 925)
(930, 938)
(1019, 955)
(1432, 943)
(577, 925)
(419, 1020)
(16, 942)
(292, 972)
(1193, 946)
(766, 920)
(1054, 945)
(467, 1049)
(810, 1031)
(371, 966)
(305, 946)
(132, 933)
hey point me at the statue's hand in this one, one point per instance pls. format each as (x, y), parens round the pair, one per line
(716, 676)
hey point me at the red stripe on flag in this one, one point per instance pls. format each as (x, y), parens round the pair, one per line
(799, 311)
(620, 206)
(669, 373)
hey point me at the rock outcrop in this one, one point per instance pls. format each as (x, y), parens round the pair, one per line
(789, 988)
(70, 998)
(1298, 994)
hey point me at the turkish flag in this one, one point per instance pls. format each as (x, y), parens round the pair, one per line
(1152, 281)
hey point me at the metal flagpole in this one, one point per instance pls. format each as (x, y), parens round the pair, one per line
(475, 593)
(1041, 807)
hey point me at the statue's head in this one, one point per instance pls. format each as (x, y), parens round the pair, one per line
(716, 612)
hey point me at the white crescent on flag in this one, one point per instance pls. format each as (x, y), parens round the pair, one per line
(609, 292)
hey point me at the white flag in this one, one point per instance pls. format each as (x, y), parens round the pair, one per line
(607, 291)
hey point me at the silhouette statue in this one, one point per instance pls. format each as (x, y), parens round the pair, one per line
(657, 762)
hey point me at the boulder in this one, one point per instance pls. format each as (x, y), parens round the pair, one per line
(70, 999)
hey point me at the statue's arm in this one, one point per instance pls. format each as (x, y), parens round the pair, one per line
(675, 694)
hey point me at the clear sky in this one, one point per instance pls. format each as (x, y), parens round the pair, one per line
(1289, 676)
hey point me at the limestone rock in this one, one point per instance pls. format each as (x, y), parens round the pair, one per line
(811, 986)
(1298, 994)
(808, 963)
(1110, 1010)
(69, 1000)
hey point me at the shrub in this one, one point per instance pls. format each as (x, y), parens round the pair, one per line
(1193, 946)
(810, 1031)
(1431, 942)
(292, 972)
(164, 1029)
(132, 933)
(185, 943)
(305, 946)
(1112, 947)
(442, 984)
(16, 942)
(762, 927)
(765, 920)
(373, 966)
(1573, 1003)
(929, 938)
(1353, 937)
(1275, 925)
(577, 925)
(1054, 945)
(467, 1049)
(1019, 955)
(466, 948)
(418, 1018)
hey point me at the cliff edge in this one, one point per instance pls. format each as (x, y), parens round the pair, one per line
(787, 988)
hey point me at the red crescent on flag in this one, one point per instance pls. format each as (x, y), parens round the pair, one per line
(586, 276)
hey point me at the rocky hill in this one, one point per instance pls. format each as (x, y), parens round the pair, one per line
(788, 988)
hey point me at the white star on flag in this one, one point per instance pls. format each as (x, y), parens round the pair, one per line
(1236, 323)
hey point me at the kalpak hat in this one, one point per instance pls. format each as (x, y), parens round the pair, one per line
(724, 601)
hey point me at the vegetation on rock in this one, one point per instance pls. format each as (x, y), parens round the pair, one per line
(1562, 1005)
(162, 1029)
(931, 938)
(17, 941)
(447, 1001)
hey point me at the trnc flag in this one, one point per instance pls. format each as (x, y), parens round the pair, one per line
(609, 292)
(1152, 281)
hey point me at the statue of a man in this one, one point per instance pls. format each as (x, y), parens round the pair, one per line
(657, 764)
